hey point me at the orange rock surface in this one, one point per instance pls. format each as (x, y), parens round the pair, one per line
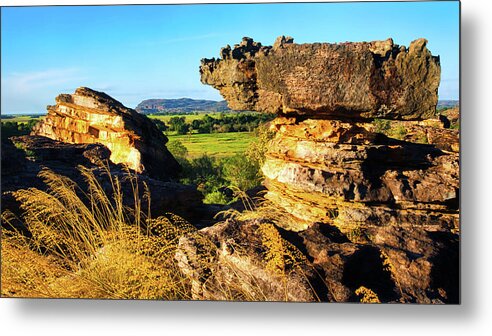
(88, 116)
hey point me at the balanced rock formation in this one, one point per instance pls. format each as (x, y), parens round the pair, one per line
(329, 167)
(89, 116)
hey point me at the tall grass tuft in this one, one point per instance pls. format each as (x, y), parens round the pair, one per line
(90, 244)
(280, 257)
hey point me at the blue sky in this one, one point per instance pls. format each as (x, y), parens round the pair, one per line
(140, 52)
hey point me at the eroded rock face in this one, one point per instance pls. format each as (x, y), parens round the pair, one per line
(88, 116)
(395, 201)
(356, 80)
(431, 131)
(332, 171)
(372, 208)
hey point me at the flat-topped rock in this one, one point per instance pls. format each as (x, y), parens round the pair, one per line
(89, 116)
(376, 79)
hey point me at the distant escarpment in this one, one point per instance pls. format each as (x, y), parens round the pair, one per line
(89, 116)
(371, 208)
(181, 105)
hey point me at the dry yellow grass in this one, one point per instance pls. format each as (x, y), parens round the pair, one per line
(97, 249)
(367, 295)
(88, 244)
(280, 256)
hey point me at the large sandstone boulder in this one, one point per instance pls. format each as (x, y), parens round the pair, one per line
(89, 116)
(357, 80)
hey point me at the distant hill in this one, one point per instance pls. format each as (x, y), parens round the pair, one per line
(188, 105)
(181, 105)
(447, 103)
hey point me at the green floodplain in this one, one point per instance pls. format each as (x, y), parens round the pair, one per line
(217, 145)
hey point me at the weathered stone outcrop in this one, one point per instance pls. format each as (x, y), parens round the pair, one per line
(89, 116)
(333, 171)
(355, 80)
(22, 163)
(453, 116)
(431, 131)
(373, 208)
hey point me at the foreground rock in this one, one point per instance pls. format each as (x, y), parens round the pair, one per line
(89, 116)
(372, 208)
(246, 261)
(22, 163)
(355, 80)
(399, 265)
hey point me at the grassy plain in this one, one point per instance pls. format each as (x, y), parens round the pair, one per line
(218, 145)
(22, 119)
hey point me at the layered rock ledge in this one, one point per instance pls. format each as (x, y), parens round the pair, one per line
(89, 116)
(371, 209)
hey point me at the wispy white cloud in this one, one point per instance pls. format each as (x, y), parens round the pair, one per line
(26, 82)
(30, 91)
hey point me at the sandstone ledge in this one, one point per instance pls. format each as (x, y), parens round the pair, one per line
(89, 116)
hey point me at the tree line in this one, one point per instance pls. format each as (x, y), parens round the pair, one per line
(218, 178)
(225, 123)
(14, 128)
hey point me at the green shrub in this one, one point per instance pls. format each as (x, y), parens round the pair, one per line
(384, 126)
(241, 172)
(177, 149)
(397, 132)
(381, 125)
(422, 138)
(257, 149)
(216, 197)
(13, 128)
(209, 174)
